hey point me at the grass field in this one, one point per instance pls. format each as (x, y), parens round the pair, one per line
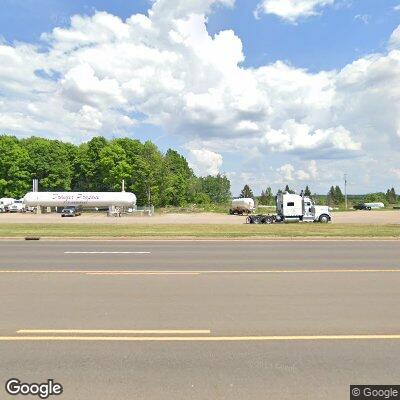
(198, 230)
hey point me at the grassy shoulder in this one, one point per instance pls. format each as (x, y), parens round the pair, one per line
(199, 230)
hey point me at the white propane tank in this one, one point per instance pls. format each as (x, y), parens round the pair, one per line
(375, 205)
(86, 199)
(243, 205)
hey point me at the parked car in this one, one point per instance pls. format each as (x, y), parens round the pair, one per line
(70, 211)
(361, 206)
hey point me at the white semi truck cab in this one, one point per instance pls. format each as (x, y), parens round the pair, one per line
(294, 208)
(17, 207)
(300, 208)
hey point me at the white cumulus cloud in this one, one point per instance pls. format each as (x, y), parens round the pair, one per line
(286, 172)
(291, 10)
(396, 172)
(205, 162)
(299, 137)
(395, 39)
(97, 75)
(310, 173)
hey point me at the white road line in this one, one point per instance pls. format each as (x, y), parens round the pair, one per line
(118, 331)
(107, 252)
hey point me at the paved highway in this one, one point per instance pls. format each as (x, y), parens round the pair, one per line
(200, 320)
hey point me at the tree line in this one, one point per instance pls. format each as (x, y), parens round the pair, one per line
(156, 178)
(334, 197)
(101, 165)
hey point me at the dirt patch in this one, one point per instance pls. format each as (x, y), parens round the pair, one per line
(367, 217)
(350, 217)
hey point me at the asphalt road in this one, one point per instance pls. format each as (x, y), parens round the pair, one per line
(200, 320)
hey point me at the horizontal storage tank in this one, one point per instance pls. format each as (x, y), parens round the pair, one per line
(243, 204)
(375, 205)
(85, 199)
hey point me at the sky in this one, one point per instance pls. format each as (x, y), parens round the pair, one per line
(267, 92)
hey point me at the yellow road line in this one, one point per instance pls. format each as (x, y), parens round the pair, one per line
(118, 331)
(42, 271)
(197, 272)
(196, 338)
(100, 272)
(204, 272)
(107, 252)
(200, 272)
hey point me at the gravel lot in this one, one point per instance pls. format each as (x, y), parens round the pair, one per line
(350, 217)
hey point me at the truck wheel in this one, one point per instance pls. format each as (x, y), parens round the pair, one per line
(268, 220)
(324, 219)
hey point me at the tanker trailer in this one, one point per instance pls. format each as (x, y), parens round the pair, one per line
(242, 206)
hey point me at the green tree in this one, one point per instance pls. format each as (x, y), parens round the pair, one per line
(147, 177)
(339, 197)
(177, 175)
(391, 196)
(330, 198)
(14, 176)
(376, 198)
(335, 196)
(101, 165)
(288, 190)
(263, 198)
(114, 166)
(217, 188)
(267, 198)
(246, 192)
(50, 161)
(307, 191)
(87, 170)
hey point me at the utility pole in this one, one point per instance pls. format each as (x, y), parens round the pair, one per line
(345, 191)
